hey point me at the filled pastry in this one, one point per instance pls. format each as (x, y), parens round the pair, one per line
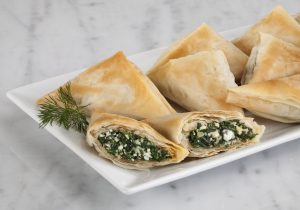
(130, 143)
(277, 99)
(116, 86)
(272, 58)
(197, 82)
(205, 38)
(278, 23)
(208, 133)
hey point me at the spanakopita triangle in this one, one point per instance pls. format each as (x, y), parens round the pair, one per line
(202, 39)
(278, 23)
(273, 58)
(117, 86)
(277, 99)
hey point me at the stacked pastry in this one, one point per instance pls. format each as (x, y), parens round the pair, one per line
(134, 126)
(271, 87)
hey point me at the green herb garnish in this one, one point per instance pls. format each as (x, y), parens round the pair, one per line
(64, 111)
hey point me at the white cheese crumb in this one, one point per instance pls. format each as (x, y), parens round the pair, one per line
(200, 134)
(203, 126)
(239, 130)
(147, 155)
(214, 134)
(120, 147)
(228, 135)
(137, 142)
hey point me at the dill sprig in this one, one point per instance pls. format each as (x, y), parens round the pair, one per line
(64, 111)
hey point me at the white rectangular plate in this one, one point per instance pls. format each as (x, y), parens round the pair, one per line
(131, 181)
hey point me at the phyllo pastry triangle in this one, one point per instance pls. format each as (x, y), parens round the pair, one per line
(208, 133)
(272, 58)
(197, 82)
(277, 99)
(205, 38)
(130, 143)
(278, 23)
(117, 86)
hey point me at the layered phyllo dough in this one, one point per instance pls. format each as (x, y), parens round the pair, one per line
(208, 133)
(272, 58)
(277, 99)
(277, 23)
(130, 143)
(197, 82)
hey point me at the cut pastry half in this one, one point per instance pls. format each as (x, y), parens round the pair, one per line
(130, 143)
(208, 133)
(116, 85)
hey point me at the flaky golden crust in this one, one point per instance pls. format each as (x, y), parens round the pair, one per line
(274, 99)
(273, 58)
(278, 23)
(117, 86)
(172, 128)
(205, 38)
(107, 121)
(196, 82)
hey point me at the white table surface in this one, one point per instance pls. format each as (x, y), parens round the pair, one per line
(44, 38)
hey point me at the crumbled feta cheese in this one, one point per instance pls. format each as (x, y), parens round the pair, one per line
(228, 135)
(240, 130)
(200, 134)
(217, 124)
(120, 147)
(147, 155)
(203, 126)
(214, 134)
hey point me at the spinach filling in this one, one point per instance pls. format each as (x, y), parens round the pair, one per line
(218, 134)
(130, 146)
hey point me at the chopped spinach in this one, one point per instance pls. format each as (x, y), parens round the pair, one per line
(217, 134)
(130, 146)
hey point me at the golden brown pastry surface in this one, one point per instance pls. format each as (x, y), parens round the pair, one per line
(116, 85)
(278, 23)
(203, 39)
(196, 82)
(277, 99)
(272, 58)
